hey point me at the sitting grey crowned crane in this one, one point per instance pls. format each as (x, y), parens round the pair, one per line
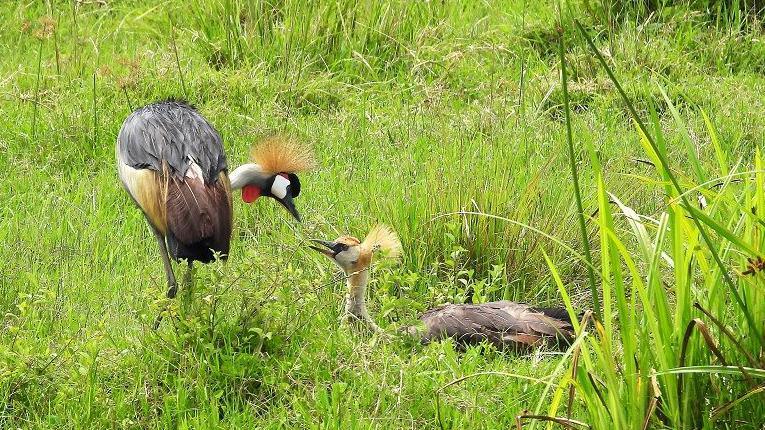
(504, 324)
(171, 161)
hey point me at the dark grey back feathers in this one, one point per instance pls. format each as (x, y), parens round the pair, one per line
(171, 131)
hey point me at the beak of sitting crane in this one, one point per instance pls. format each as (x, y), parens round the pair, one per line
(330, 249)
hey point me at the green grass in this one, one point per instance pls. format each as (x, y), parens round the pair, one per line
(420, 119)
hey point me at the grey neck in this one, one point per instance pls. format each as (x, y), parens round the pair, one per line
(355, 299)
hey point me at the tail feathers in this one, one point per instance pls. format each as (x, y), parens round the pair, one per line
(557, 313)
(199, 219)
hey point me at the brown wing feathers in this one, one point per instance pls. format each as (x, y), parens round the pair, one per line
(199, 218)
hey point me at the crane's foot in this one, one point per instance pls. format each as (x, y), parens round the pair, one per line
(363, 322)
(161, 315)
(172, 291)
(157, 322)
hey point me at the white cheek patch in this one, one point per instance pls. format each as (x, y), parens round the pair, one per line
(279, 187)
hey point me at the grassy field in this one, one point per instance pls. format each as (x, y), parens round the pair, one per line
(419, 112)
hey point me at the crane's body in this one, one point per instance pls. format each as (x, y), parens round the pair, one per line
(172, 163)
(505, 324)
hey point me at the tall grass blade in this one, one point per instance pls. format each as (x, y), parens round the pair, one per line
(722, 158)
(719, 370)
(36, 101)
(95, 115)
(596, 306)
(641, 233)
(177, 58)
(718, 412)
(726, 331)
(565, 422)
(704, 330)
(664, 164)
(690, 147)
(654, 402)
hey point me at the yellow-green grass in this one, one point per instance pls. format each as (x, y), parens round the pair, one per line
(417, 111)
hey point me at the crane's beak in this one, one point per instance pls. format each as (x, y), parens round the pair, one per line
(331, 249)
(290, 206)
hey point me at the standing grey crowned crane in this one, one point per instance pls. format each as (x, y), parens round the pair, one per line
(505, 324)
(171, 161)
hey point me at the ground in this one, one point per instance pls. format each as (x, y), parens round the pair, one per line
(415, 110)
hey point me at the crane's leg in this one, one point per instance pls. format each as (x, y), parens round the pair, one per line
(172, 286)
(188, 277)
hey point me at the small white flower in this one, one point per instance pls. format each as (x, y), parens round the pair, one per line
(702, 201)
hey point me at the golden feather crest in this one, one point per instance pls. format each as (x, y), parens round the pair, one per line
(277, 154)
(382, 238)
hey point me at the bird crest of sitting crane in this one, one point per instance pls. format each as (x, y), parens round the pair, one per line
(381, 239)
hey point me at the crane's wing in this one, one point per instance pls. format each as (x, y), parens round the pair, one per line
(557, 313)
(174, 133)
(199, 218)
(502, 323)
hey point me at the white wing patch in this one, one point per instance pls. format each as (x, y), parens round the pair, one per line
(279, 188)
(194, 172)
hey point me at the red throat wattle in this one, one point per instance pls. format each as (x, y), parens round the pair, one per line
(250, 193)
